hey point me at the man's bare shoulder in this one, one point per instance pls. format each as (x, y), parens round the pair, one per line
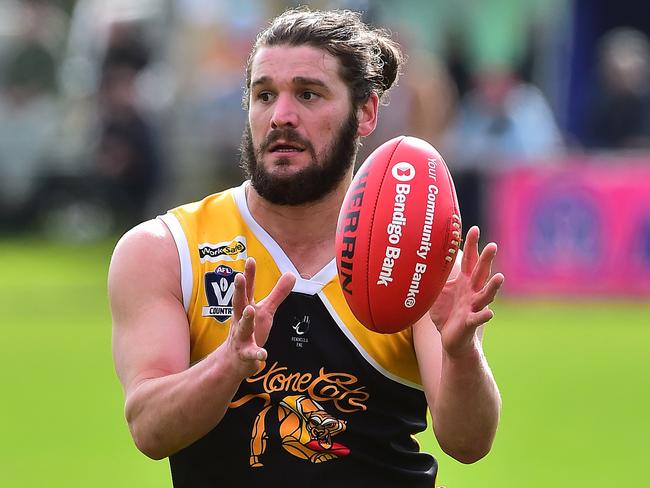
(151, 238)
(146, 254)
(150, 231)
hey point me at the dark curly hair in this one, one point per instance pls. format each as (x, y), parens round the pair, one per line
(370, 60)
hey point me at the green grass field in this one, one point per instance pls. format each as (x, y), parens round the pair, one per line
(575, 380)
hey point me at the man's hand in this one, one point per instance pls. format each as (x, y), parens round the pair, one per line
(251, 322)
(463, 304)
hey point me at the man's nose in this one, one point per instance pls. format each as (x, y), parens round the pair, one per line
(284, 112)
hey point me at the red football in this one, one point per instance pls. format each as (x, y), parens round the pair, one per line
(398, 234)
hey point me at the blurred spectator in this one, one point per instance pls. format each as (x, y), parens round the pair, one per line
(128, 155)
(457, 58)
(433, 98)
(619, 114)
(502, 120)
(211, 38)
(423, 103)
(29, 71)
(29, 107)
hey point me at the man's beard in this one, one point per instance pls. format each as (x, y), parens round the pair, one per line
(309, 184)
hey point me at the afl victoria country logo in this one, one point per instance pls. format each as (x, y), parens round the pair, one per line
(403, 171)
(219, 290)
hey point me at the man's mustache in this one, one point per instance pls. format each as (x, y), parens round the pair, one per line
(287, 134)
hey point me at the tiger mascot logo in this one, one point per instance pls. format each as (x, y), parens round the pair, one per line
(305, 430)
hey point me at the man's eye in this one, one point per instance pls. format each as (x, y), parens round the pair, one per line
(265, 96)
(309, 95)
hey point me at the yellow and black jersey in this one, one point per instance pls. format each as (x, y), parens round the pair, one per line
(334, 404)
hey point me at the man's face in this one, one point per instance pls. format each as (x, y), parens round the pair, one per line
(301, 137)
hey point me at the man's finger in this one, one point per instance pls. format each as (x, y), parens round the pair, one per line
(249, 273)
(470, 251)
(280, 291)
(239, 297)
(261, 354)
(253, 354)
(488, 293)
(245, 325)
(483, 268)
(479, 318)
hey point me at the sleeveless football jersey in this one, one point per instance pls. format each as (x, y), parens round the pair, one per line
(333, 405)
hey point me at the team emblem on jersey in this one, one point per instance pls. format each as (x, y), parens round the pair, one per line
(300, 328)
(233, 250)
(305, 430)
(219, 289)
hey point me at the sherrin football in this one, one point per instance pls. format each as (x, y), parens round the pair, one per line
(398, 234)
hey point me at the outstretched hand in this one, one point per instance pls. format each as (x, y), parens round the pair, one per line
(251, 322)
(463, 304)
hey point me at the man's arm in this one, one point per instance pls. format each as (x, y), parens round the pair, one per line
(463, 397)
(168, 404)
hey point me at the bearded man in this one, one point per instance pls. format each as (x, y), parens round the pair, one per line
(238, 355)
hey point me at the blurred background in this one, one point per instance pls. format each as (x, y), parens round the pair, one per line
(111, 112)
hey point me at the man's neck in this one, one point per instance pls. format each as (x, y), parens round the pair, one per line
(306, 232)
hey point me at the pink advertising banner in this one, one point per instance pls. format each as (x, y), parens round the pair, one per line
(574, 229)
